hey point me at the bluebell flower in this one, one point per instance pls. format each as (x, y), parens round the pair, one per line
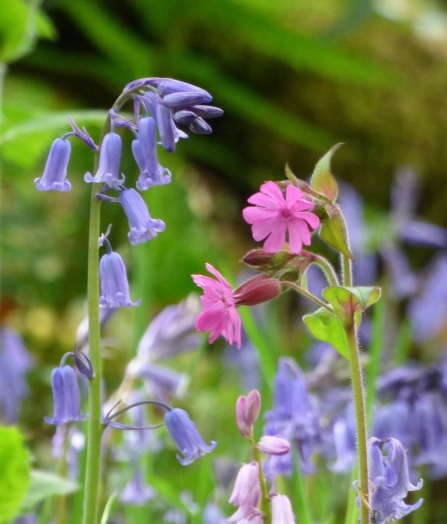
(161, 382)
(54, 175)
(145, 153)
(343, 434)
(389, 481)
(109, 162)
(142, 226)
(166, 127)
(66, 395)
(137, 491)
(186, 437)
(212, 514)
(114, 285)
(15, 362)
(183, 99)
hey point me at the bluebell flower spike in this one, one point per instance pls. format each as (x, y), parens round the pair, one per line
(55, 172)
(186, 437)
(67, 398)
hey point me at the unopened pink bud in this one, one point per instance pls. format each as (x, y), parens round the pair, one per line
(247, 412)
(247, 489)
(256, 291)
(273, 445)
(257, 258)
(282, 510)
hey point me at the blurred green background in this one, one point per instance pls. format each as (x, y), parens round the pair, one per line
(294, 78)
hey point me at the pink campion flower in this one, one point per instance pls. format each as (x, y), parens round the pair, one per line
(274, 215)
(219, 310)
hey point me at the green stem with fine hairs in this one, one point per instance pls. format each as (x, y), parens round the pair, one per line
(306, 293)
(266, 505)
(327, 269)
(93, 470)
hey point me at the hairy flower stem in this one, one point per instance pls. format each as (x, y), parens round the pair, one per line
(360, 415)
(327, 269)
(94, 435)
(266, 505)
(346, 264)
(306, 293)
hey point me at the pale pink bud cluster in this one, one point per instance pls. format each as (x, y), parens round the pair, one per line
(247, 412)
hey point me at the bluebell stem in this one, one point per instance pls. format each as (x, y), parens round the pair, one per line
(15, 362)
(114, 285)
(137, 491)
(54, 175)
(389, 481)
(66, 395)
(109, 162)
(142, 226)
(82, 331)
(145, 153)
(186, 437)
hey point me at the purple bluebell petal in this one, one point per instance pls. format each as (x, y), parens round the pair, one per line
(166, 127)
(207, 111)
(114, 285)
(167, 86)
(180, 100)
(423, 234)
(54, 175)
(186, 437)
(142, 226)
(404, 280)
(137, 491)
(184, 117)
(109, 162)
(66, 395)
(200, 127)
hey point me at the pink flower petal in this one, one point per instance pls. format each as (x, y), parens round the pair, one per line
(292, 195)
(263, 229)
(254, 215)
(310, 218)
(295, 242)
(276, 240)
(302, 230)
(301, 205)
(260, 199)
(272, 190)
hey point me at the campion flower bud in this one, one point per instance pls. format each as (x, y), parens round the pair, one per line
(66, 395)
(55, 172)
(114, 285)
(142, 226)
(186, 437)
(109, 162)
(247, 412)
(256, 291)
(247, 489)
(273, 445)
(145, 153)
(180, 100)
(282, 510)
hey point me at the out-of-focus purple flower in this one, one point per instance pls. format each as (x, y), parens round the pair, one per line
(389, 481)
(76, 445)
(172, 331)
(212, 514)
(114, 285)
(145, 153)
(428, 310)
(55, 172)
(109, 162)
(142, 226)
(247, 488)
(344, 443)
(186, 437)
(82, 331)
(282, 510)
(293, 416)
(403, 279)
(161, 383)
(66, 395)
(137, 491)
(15, 362)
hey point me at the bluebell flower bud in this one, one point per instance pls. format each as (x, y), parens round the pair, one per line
(114, 285)
(166, 127)
(180, 100)
(167, 86)
(185, 117)
(145, 153)
(109, 162)
(54, 175)
(66, 395)
(207, 111)
(142, 226)
(186, 437)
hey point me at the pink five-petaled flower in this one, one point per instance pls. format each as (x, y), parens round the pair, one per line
(219, 310)
(274, 215)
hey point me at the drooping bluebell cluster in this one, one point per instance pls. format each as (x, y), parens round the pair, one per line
(293, 417)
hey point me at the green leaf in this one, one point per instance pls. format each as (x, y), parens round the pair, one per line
(349, 302)
(333, 230)
(14, 472)
(366, 295)
(322, 179)
(327, 327)
(108, 509)
(43, 485)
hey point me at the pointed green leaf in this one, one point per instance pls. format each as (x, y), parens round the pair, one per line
(327, 327)
(322, 179)
(349, 302)
(14, 472)
(366, 295)
(333, 230)
(43, 485)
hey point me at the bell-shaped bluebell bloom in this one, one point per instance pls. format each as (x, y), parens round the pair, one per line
(137, 491)
(389, 481)
(109, 162)
(186, 437)
(66, 395)
(15, 362)
(166, 127)
(142, 226)
(54, 175)
(114, 284)
(145, 153)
